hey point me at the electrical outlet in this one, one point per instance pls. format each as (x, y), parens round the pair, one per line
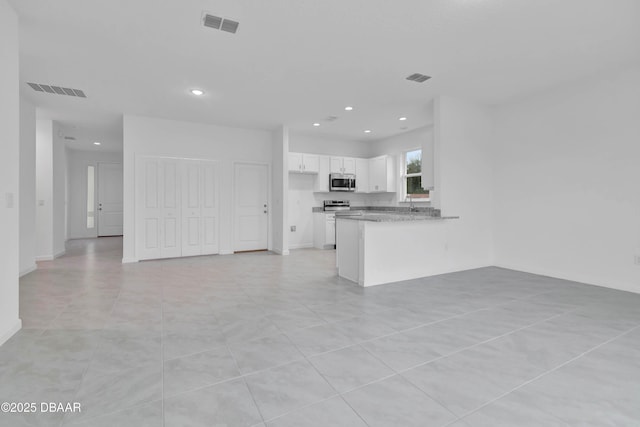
(293, 228)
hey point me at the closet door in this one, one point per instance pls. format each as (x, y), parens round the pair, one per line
(170, 219)
(191, 208)
(210, 208)
(148, 208)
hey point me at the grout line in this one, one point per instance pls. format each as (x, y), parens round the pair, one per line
(246, 384)
(553, 370)
(93, 354)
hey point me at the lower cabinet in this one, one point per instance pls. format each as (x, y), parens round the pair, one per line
(177, 208)
(324, 230)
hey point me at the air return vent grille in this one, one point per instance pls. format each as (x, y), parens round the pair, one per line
(417, 77)
(229, 26)
(57, 90)
(212, 21)
(219, 23)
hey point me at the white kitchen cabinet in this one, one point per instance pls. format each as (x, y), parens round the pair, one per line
(324, 230)
(322, 181)
(177, 208)
(362, 175)
(304, 163)
(428, 180)
(382, 174)
(343, 165)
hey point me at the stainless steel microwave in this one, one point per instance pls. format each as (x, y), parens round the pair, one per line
(342, 182)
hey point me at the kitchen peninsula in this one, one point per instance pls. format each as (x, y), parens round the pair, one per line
(377, 247)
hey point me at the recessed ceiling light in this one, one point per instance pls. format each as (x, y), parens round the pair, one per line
(402, 119)
(367, 131)
(197, 92)
(96, 143)
(348, 108)
(316, 124)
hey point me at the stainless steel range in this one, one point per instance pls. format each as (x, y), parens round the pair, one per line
(330, 208)
(336, 205)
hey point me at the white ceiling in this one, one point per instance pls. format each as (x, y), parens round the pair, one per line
(296, 62)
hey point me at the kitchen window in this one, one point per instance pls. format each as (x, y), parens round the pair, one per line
(412, 177)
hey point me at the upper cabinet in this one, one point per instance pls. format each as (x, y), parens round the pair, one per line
(428, 162)
(342, 165)
(381, 174)
(322, 181)
(304, 163)
(375, 175)
(362, 175)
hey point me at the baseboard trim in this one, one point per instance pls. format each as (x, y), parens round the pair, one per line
(225, 252)
(281, 252)
(571, 278)
(29, 269)
(59, 254)
(44, 258)
(4, 337)
(129, 260)
(301, 246)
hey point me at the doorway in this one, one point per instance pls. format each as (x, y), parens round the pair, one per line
(110, 200)
(251, 207)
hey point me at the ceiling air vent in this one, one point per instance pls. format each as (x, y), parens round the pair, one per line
(57, 90)
(331, 118)
(70, 138)
(229, 26)
(417, 77)
(212, 21)
(219, 23)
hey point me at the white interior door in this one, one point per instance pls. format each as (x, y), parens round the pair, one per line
(170, 174)
(157, 208)
(251, 210)
(191, 211)
(210, 208)
(148, 208)
(109, 199)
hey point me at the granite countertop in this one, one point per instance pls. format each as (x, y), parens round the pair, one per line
(387, 216)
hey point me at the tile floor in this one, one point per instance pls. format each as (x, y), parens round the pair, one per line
(262, 340)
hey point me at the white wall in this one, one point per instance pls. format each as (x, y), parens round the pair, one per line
(51, 191)
(463, 135)
(27, 186)
(59, 210)
(78, 161)
(9, 172)
(280, 195)
(566, 182)
(327, 145)
(159, 137)
(44, 189)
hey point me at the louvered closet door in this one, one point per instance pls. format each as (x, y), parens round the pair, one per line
(192, 232)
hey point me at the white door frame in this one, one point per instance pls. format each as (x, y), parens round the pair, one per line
(96, 199)
(233, 201)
